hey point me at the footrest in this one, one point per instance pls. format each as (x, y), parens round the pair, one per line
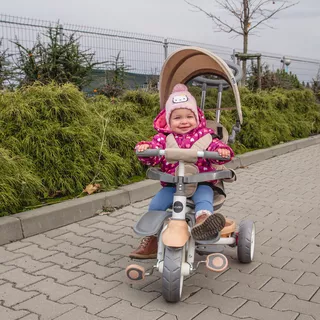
(151, 222)
(135, 272)
(217, 262)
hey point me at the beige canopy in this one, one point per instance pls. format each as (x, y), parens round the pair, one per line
(189, 62)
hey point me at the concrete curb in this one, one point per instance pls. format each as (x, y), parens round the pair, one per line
(29, 223)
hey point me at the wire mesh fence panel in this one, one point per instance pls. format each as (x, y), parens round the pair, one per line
(224, 52)
(142, 54)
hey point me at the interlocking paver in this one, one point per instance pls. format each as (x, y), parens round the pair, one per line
(70, 249)
(276, 262)
(16, 245)
(290, 302)
(74, 238)
(41, 305)
(226, 305)
(59, 274)
(79, 313)
(77, 229)
(265, 299)
(93, 303)
(309, 279)
(316, 297)
(105, 226)
(216, 286)
(124, 311)
(95, 269)
(96, 286)
(30, 317)
(254, 281)
(214, 313)
(20, 278)
(53, 290)
(4, 268)
(304, 292)
(11, 296)
(104, 236)
(285, 275)
(295, 264)
(42, 241)
(182, 310)
(64, 261)
(36, 252)
(28, 264)
(254, 310)
(6, 255)
(9, 314)
(303, 256)
(102, 246)
(136, 297)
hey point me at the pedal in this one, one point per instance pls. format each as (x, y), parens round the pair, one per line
(135, 272)
(217, 262)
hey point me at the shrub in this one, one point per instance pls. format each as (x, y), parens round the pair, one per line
(59, 60)
(270, 79)
(19, 183)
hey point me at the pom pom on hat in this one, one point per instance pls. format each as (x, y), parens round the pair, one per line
(181, 98)
(179, 87)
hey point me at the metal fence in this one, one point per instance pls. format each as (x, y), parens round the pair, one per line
(144, 54)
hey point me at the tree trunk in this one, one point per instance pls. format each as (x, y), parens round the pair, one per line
(245, 39)
(244, 62)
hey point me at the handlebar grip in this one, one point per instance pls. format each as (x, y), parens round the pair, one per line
(149, 153)
(214, 156)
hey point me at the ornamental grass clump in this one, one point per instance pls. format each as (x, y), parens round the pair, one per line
(59, 132)
(19, 183)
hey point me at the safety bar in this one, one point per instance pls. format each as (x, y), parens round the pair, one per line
(156, 174)
(208, 176)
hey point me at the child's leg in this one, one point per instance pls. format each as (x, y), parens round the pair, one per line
(207, 224)
(203, 199)
(163, 199)
(149, 245)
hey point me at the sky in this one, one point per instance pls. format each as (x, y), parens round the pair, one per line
(294, 32)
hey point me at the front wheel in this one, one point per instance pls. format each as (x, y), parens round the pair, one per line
(172, 278)
(246, 241)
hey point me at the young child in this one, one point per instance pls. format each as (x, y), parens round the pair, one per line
(186, 122)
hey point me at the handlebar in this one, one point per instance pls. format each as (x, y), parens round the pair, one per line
(181, 154)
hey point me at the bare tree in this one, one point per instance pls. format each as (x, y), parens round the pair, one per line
(246, 16)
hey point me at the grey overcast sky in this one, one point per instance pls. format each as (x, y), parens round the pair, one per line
(295, 31)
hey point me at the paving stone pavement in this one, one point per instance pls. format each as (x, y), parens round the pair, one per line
(77, 272)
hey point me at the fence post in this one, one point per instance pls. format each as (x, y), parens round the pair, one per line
(165, 46)
(234, 56)
(259, 71)
(60, 28)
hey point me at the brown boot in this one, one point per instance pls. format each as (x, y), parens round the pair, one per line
(207, 226)
(147, 249)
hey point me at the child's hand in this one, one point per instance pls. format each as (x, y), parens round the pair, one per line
(225, 153)
(142, 147)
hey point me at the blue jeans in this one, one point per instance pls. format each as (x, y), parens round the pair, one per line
(202, 198)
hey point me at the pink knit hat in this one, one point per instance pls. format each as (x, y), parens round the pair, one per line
(181, 98)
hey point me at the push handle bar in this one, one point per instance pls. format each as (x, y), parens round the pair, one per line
(200, 154)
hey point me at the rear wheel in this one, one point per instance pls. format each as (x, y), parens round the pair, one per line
(172, 278)
(246, 241)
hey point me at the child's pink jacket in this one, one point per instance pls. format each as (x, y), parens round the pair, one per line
(184, 141)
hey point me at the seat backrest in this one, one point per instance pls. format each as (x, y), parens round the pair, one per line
(215, 125)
